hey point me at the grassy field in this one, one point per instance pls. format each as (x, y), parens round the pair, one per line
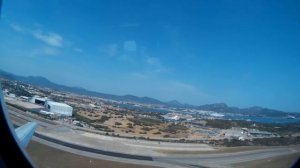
(47, 157)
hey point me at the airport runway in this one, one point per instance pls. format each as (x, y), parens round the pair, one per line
(219, 160)
(93, 150)
(197, 160)
(205, 160)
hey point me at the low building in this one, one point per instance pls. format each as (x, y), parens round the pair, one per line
(257, 133)
(38, 100)
(171, 116)
(11, 95)
(24, 98)
(59, 108)
(199, 122)
(46, 112)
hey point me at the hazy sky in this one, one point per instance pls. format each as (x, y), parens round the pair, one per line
(242, 53)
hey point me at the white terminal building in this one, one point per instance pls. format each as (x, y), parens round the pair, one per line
(59, 108)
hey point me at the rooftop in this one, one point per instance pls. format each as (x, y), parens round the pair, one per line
(57, 104)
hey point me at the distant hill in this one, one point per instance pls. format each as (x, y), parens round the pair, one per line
(43, 82)
(253, 111)
(175, 103)
(217, 107)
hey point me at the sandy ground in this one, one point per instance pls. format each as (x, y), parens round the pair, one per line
(47, 157)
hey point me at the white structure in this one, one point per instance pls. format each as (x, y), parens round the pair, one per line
(38, 100)
(5, 91)
(32, 100)
(46, 112)
(171, 116)
(12, 95)
(24, 98)
(59, 108)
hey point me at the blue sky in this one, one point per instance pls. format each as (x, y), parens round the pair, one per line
(243, 53)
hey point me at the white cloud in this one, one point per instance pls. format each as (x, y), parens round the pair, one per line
(50, 51)
(52, 39)
(78, 50)
(155, 65)
(130, 25)
(153, 61)
(175, 89)
(16, 27)
(45, 51)
(141, 75)
(109, 49)
(183, 86)
(168, 89)
(112, 49)
(129, 45)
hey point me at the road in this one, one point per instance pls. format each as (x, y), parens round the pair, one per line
(196, 160)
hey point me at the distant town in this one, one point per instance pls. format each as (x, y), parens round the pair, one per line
(128, 120)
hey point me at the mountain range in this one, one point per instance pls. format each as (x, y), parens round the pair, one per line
(44, 82)
(217, 107)
(252, 111)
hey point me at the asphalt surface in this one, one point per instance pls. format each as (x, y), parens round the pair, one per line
(93, 150)
(197, 160)
(217, 160)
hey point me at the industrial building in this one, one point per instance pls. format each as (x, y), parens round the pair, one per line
(59, 108)
(38, 100)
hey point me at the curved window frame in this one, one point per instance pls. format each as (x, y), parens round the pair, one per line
(11, 152)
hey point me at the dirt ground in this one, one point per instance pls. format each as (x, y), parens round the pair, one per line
(47, 157)
(274, 162)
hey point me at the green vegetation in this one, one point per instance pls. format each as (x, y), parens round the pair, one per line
(118, 123)
(146, 128)
(174, 128)
(227, 124)
(102, 119)
(145, 121)
(81, 118)
(18, 89)
(166, 136)
(281, 129)
(57, 99)
(102, 128)
(129, 125)
(223, 124)
(275, 141)
(157, 133)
